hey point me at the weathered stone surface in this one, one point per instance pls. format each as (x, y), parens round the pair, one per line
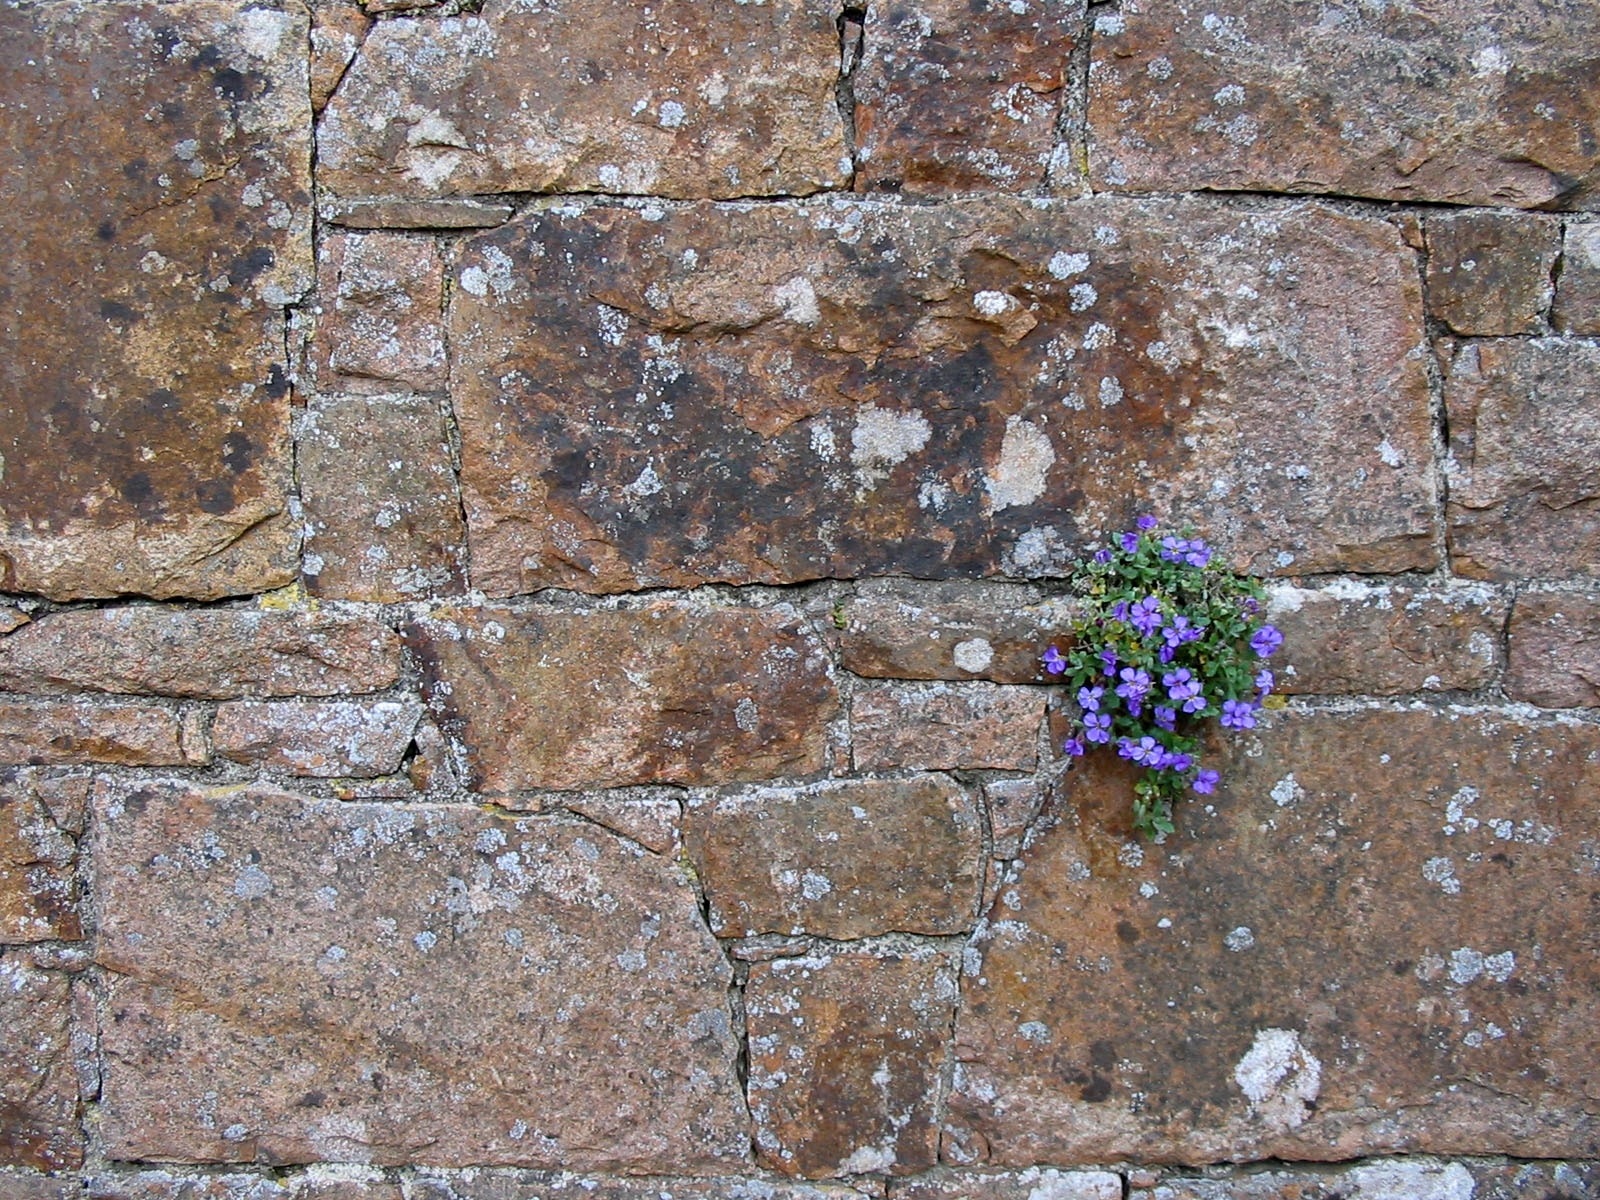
(894, 629)
(839, 860)
(1033, 1184)
(663, 694)
(11, 619)
(298, 980)
(675, 99)
(165, 208)
(454, 213)
(40, 820)
(1355, 638)
(1524, 459)
(324, 739)
(1488, 102)
(204, 653)
(841, 388)
(1398, 1179)
(652, 819)
(952, 96)
(1490, 273)
(38, 1086)
(846, 1053)
(343, 1182)
(945, 726)
(383, 516)
(129, 735)
(338, 28)
(1014, 805)
(1577, 306)
(528, 1185)
(381, 325)
(1376, 937)
(27, 1185)
(1554, 658)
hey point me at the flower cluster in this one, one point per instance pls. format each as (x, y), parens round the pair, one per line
(1168, 639)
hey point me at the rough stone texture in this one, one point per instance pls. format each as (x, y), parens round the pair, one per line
(1399, 1179)
(38, 1086)
(1554, 658)
(206, 653)
(1490, 273)
(338, 28)
(1577, 306)
(325, 740)
(839, 860)
(846, 1052)
(788, 392)
(11, 619)
(484, 1185)
(895, 629)
(455, 213)
(129, 735)
(1525, 459)
(674, 99)
(296, 980)
(1014, 805)
(952, 96)
(380, 327)
(1033, 1184)
(319, 1183)
(945, 726)
(383, 516)
(653, 820)
(26, 1185)
(40, 820)
(1355, 638)
(1486, 102)
(1377, 937)
(663, 694)
(168, 181)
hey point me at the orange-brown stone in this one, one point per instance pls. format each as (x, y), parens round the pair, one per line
(41, 818)
(39, 1119)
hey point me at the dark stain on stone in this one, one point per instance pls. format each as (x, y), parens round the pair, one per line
(214, 496)
(106, 231)
(1097, 1090)
(277, 385)
(138, 491)
(1127, 934)
(238, 453)
(250, 265)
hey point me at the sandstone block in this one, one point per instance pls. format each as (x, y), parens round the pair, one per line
(40, 820)
(1555, 650)
(381, 323)
(945, 727)
(952, 96)
(28, 1185)
(529, 1185)
(39, 1125)
(129, 735)
(1577, 306)
(206, 653)
(1036, 1183)
(893, 629)
(1354, 638)
(1524, 459)
(1014, 805)
(662, 694)
(839, 860)
(325, 739)
(450, 213)
(676, 99)
(1490, 273)
(846, 388)
(383, 516)
(168, 152)
(343, 1182)
(11, 618)
(296, 980)
(338, 28)
(1388, 101)
(1390, 1180)
(846, 1052)
(1371, 940)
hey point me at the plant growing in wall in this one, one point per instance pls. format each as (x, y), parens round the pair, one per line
(1169, 639)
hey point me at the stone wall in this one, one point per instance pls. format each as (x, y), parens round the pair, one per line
(526, 533)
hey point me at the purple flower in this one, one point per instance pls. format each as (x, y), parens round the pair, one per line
(1146, 522)
(1173, 548)
(1097, 728)
(1127, 748)
(1183, 688)
(1166, 654)
(1119, 611)
(1108, 661)
(1264, 681)
(1054, 662)
(1180, 631)
(1166, 718)
(1074, 746)
(1178, 762)
(1089, 698)
(1146, 616)
(1102, 556)
(1130, 541)
(1197, 553)
(1148, 752)
(1238, 714)
(1206, 782)
(1135, 683)
(1266, 640)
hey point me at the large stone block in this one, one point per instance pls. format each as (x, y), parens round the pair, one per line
(1356, 638)
(202, 653)
(317, 738)
(41, 818)
(39, 1123)
(671, 99)
(1488, 102)
(840, 860)
(1524, 459)
(847, 1051)
(1577, 306)
(1554, 658)
(129, 735)
(1378, 936)
(566, 1185)
(383, 515)
(663, 694)
(1394, 1179)
(160, 225)
(1033, 1184)
(1490, 273)
(380, 327)
(655, 398)
(945, 727)
(294, 980)
(952, 96)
